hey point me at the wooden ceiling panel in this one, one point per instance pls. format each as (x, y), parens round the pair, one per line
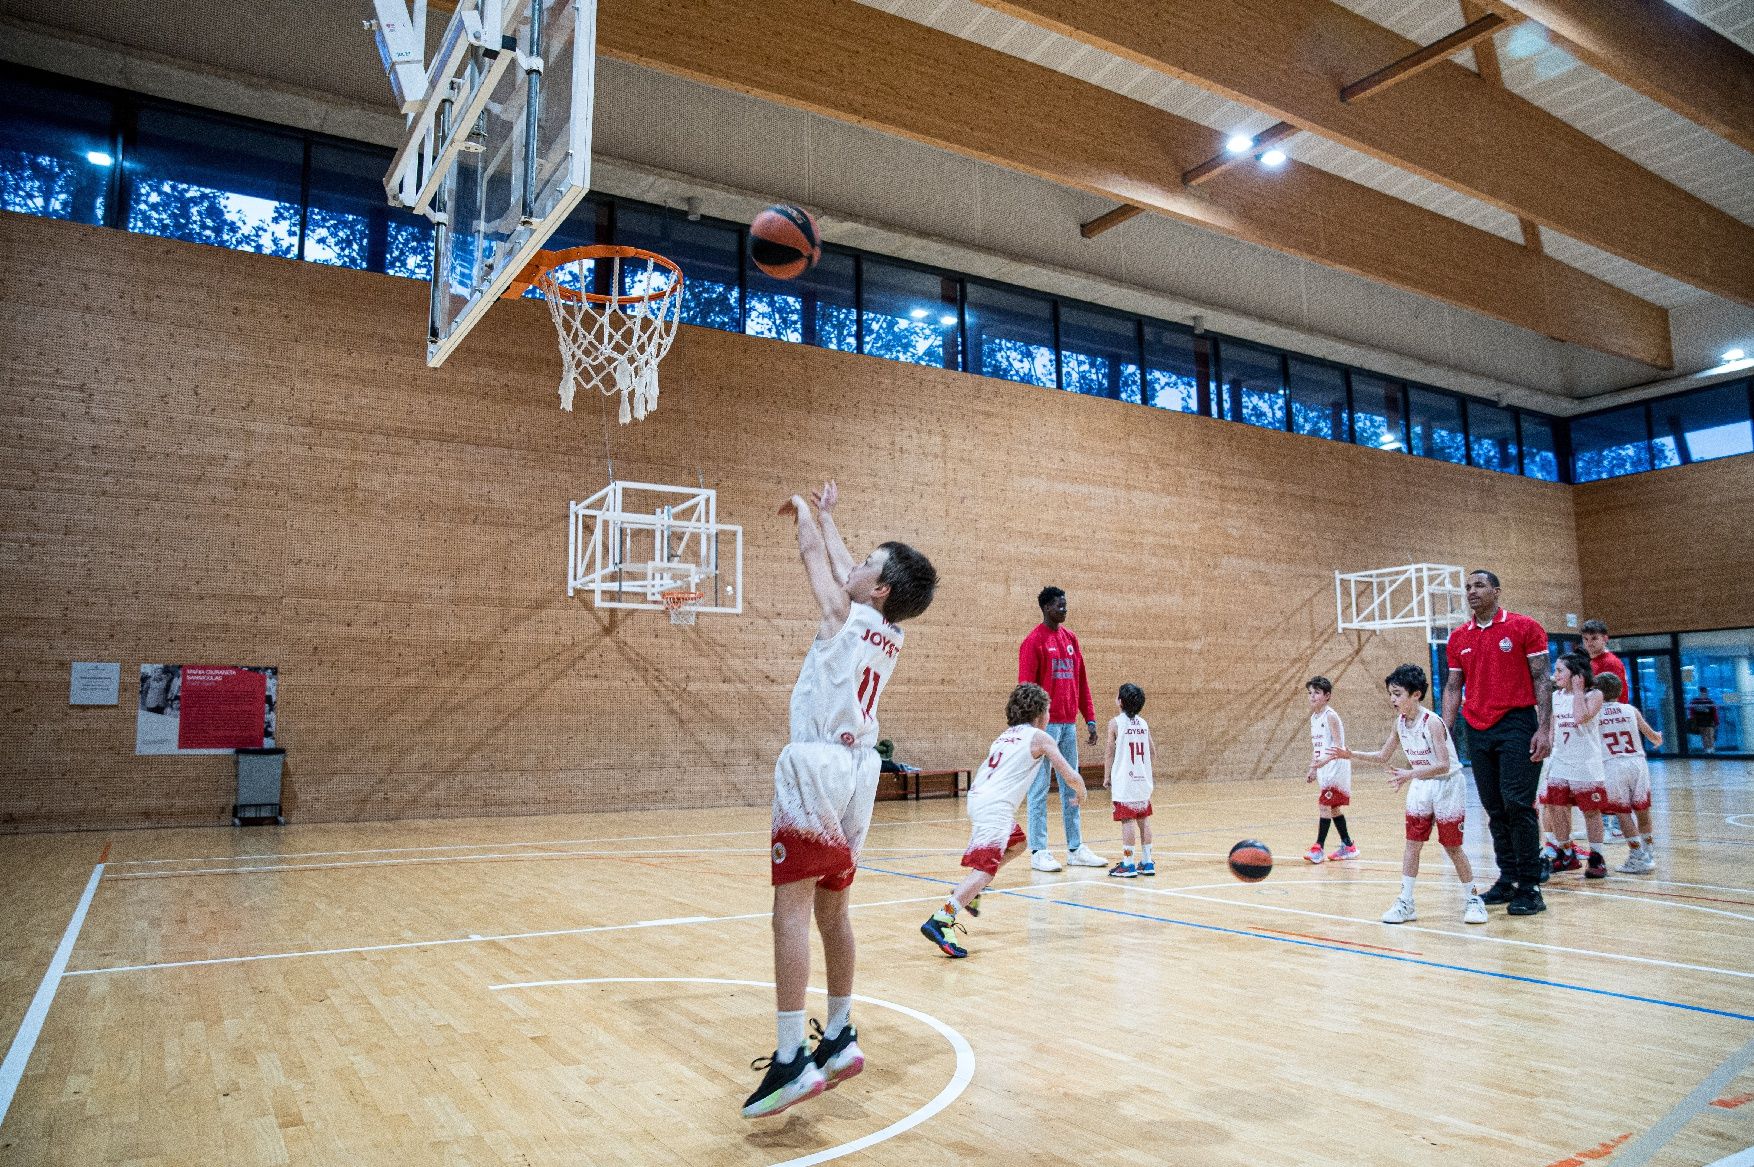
(1661, 52)
(1291, 58)
(892, 75)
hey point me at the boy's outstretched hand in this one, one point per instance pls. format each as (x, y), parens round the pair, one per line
(827, 496)
(792, 506)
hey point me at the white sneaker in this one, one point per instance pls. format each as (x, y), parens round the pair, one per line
(1085, 857)
(1401, 912)
(1475, 912)
(1639, 862)
(1043, 860)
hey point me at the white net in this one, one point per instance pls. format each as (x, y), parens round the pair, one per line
(681, 606)
(613, 343)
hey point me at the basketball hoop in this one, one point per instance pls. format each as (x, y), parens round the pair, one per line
(611, 342)
(681, 605)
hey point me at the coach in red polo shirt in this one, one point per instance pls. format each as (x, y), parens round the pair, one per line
(1498, 680)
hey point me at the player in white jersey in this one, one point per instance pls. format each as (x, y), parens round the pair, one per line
(1623, 727)
(1334, 779)
(1127, 755)
(824, 784)
(1000, 782)
(1437, 792)
(1575, 776)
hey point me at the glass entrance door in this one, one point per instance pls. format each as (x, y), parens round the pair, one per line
(1653, 690)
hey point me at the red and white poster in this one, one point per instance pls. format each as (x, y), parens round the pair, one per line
(205, 709)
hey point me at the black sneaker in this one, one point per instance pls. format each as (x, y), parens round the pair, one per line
(1546, 871)
(1597, 867)
(785, 1083)
(839, 1058)
(937, 932)
(973, 907)
(1499, 893)
(1527, 902)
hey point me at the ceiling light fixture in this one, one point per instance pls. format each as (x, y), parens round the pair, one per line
(1238, 144)
(99, 158)
(1273, 158)
(1734, 354)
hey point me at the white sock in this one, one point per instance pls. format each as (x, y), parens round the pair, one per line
(1471, 887)
(1633, 843)
(1650, 842)
(1552, 839)
(839, 1009)
(1407, 887)
(1145, 850)
(791, 1035)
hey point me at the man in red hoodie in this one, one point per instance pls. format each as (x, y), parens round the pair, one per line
(1050, 657)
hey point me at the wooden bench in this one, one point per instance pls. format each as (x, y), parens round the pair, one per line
(911, 784)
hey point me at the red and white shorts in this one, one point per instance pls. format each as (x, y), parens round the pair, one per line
(822, 796)
(1127, 811)
(1335, 783)
(1439, 802)
(1628, 784)
(1585, 787)
(993, 833)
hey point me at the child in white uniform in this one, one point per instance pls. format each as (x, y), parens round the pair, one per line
(1436, 790)
(824, 784)
(1334, 779)
(1126, 771)
(998, 786)
(1575, 776)
(1623, 730)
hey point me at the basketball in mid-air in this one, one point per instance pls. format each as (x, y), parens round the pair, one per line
(1250, 861)
(784, 242)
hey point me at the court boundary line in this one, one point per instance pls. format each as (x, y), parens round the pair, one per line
(24, 1041)
(959, 1079)
(1462, 968)
(1471, 935)
(447, 940)
(493, 843)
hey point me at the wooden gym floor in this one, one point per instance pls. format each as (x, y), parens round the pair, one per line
(590, 990)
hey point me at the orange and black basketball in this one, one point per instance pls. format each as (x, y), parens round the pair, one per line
(1250, 861)
(783, 241)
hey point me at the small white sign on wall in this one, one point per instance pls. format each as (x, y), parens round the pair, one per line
(95, 683)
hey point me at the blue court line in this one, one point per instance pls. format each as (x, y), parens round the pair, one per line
(1484, 972)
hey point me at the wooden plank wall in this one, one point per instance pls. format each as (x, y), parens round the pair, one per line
(1671, 550)
(214, 457)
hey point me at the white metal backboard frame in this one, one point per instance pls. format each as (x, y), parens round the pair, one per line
(499, 140)
(1430, 596)
(631, 542)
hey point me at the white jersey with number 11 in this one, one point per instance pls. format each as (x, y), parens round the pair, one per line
(835, 699)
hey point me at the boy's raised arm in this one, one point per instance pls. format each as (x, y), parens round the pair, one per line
(840, 560)
(830, 594)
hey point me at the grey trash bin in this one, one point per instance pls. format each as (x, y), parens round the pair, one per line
(258, 797)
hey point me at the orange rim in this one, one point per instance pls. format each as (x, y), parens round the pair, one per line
(547, 261)
(674, 600)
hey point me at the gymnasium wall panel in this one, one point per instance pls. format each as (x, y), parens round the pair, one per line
(1670, 550)
(218, 457)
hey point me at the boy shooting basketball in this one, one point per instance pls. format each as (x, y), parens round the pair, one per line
(824, 784)
(994, 838)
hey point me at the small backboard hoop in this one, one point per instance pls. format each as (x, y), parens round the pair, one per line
(610, 340)
(1430, 596)
(632, 542)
